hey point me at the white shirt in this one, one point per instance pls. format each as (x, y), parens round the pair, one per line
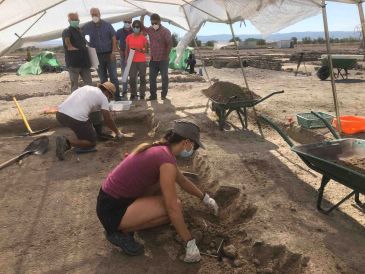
(83, 101)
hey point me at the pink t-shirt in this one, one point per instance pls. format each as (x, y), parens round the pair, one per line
(137, 172)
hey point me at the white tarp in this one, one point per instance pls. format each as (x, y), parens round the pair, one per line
(24, 22)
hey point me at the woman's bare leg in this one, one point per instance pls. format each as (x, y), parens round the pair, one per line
(145, 213)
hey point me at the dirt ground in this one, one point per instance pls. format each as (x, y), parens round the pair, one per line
(268, 219)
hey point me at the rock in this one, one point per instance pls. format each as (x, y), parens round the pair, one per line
(230, 251)
(238, 262)
(178, 239)
(258, 243)
(209, 252)
(226, 260)
(267, 270)
(212, 244)
(256, 262)
(198, 235)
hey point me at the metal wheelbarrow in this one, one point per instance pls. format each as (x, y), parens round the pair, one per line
(340, 62)
(327, 158)
(223, 110)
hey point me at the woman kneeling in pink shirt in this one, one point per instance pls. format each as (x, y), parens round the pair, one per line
(140, 192)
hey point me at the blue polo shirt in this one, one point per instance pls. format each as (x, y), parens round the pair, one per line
(101, 36)
(122, 35)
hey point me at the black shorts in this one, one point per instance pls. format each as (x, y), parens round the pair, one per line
(84, 130)
(110, 211)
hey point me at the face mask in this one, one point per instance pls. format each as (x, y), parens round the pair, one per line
(74, 23)
(156, 27)
(186, 154)
(127, 25)
(136, 30)
(95, 19)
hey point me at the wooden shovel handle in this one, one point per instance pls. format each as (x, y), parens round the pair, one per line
(13, 160)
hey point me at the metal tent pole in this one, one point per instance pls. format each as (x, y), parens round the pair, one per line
(243, 70)
(33, 14)
(362, 20)
(329, 56)
(21, 36)
(237, 49)
(197, 48)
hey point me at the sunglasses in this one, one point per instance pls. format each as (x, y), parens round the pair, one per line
(154, 23)
(127, 22)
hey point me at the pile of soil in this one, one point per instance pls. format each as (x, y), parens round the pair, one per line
(355, 163)
(223, 91)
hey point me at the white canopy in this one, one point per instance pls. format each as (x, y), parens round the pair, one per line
(25, 22)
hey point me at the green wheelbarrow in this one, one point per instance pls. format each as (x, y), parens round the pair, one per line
(224, 109)
(327, 158)
(341, 62)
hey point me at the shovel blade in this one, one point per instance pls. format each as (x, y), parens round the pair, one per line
(38, 146)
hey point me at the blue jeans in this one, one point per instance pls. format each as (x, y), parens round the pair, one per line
(123, 63)
(108, 66)
(155, 68)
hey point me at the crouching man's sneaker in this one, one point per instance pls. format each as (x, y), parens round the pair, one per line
(62, 145)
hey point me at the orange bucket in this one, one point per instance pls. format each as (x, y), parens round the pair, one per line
(350, 124)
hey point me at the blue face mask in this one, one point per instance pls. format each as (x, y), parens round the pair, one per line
(136, 30)
(186, 154)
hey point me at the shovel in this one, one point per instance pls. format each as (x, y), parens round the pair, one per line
(38, 146)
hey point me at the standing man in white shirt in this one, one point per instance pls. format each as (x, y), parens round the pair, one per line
(74, 113)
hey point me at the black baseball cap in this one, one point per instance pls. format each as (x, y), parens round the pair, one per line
(188, 130)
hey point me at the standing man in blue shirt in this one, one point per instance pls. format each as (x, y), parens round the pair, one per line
(121, 36)
(102, 38)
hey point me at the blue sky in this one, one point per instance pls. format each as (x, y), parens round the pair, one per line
(341, 17)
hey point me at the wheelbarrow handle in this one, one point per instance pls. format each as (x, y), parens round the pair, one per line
(328, 125)
(279, 130)
(268, 96)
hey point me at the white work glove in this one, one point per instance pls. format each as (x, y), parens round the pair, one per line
(192, 254)
(211, 203)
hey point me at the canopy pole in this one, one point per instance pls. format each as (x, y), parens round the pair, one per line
(329, 56)
(197, 48)
(21, 36)
(237, 49)
(362, 20)
(242, 69)
(33, 14)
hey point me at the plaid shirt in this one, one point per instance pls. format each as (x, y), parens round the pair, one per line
(160, 43)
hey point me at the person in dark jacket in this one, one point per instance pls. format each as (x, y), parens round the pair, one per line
(190, 63)
(76, 56)
(121, 36)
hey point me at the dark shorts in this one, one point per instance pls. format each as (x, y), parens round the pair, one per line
(83, 130)
(110, 211)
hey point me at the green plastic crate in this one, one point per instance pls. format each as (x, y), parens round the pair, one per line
(308, 120)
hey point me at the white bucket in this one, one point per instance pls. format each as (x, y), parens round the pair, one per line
(120, 105)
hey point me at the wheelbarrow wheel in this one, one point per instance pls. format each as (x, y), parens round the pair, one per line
(323, 73)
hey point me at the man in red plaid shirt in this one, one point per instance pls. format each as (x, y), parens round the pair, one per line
(160, 45)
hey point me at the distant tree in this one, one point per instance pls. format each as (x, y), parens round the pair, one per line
(198, 42)
(307, 40)
(210, 43)
(295, 40)
(175, 39)
(261, 42)
(237, 39)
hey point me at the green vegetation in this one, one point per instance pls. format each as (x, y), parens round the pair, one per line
(210, 43)
(320, 40)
